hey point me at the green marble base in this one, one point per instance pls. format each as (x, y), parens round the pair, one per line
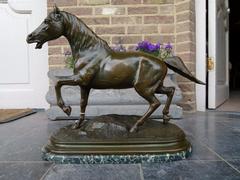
(106, 139)
(116, 159)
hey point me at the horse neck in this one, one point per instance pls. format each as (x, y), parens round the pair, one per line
(83, 40)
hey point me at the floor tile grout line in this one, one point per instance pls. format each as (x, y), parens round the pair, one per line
(222, 158)
(44, 175)
(141, 171)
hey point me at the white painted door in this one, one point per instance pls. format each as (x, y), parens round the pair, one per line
(218, 77)
(23, 70)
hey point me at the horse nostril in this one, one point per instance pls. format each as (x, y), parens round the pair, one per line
(29, 37)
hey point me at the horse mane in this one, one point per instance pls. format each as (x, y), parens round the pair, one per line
(90, 37)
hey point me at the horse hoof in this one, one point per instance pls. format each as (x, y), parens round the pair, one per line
(133, 129)
(76, 125)
(166, 119)
(67, 110)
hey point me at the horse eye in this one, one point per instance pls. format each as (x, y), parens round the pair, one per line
(57, 17)
(46, 21)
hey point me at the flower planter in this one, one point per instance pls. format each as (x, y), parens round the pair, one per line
(124, 101)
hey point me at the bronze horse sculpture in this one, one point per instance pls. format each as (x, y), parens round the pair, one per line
(98, 66)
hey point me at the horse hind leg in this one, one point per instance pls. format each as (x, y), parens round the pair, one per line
(169, 91)
(153, 105)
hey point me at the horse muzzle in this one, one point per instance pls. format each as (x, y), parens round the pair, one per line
(31, 38)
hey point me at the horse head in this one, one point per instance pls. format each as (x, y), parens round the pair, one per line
(51, 28)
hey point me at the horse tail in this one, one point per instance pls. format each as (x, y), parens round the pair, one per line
(176, 64)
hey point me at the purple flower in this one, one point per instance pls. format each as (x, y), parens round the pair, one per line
(147, 46)
(157, 50)
(158, 45)
(151, 47)
(168, 46)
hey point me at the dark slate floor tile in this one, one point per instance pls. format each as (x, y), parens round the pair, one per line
(94, 172)
(197, 170)
(24, 139)
(23, 170)
(25, 148)
(200, 151)
(235, 163)
(218, 133)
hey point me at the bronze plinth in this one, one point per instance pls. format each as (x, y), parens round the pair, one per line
(109, 134)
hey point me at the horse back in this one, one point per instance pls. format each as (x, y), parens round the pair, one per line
(121, 70)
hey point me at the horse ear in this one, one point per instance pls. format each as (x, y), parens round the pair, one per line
(56, 10)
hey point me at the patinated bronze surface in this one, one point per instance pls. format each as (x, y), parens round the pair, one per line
(109, 134)
(99, 67)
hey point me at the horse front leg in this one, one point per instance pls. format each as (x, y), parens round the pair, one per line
(83, 104)
(60, 102)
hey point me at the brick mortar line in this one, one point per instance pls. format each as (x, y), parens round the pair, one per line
(182, 2)
(170, 15)
(56, 55)
(187, 21)
(104, 25)
(175, 27)
(180, 52)
(56, 46)
(62, 50)
(116, 15)
(136, 35)
(138, 5)
(111, 6)
(186, 42)
(53, 47)
(157, 13)
(155, 24)
(185, 11)
(153, 34)
(56, 65)
(185, 33)
(135, 15)
(146, 25)
(184, 52)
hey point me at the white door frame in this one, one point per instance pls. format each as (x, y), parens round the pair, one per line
(37, 84)
(201, 59)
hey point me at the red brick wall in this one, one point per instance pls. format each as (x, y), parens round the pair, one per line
(130, 21)
(185, 48)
